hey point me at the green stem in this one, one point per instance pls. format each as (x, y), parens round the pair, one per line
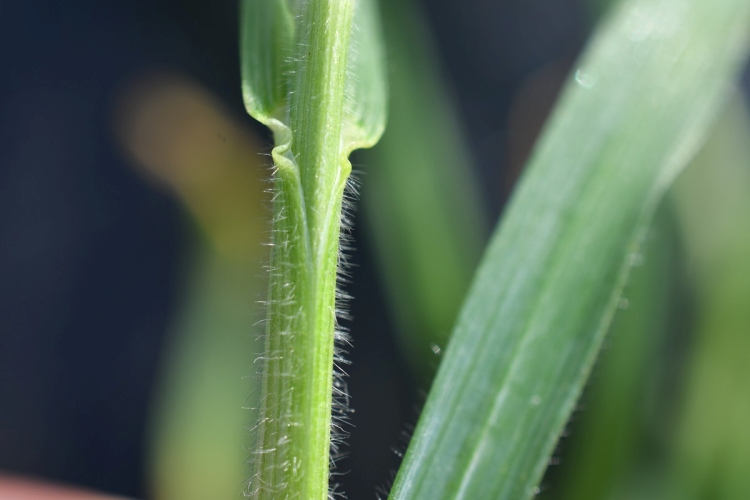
(294, 428)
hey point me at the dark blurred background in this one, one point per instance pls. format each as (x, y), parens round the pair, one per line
(97, 243)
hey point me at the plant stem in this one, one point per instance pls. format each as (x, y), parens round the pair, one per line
(311, 173)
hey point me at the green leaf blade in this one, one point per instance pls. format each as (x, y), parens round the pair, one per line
(545, 293)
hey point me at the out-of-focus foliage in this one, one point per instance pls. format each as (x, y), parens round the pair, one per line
(711, 454)
(422, 205)
(208, 390)
(637, 106)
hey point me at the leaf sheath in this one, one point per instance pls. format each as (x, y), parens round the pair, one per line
(300, 78)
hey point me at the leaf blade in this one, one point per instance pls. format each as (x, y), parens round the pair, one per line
(535, 316)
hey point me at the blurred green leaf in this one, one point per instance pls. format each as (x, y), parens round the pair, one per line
(635, 111)
(711, 455)
(421, 201)
(207, 393)
(603, 448)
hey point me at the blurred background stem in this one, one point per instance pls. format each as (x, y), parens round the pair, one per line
(180, 136)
